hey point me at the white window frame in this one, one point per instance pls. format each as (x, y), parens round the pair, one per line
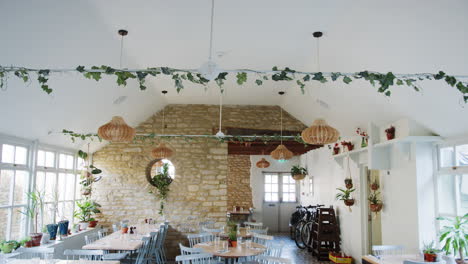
(280, 187)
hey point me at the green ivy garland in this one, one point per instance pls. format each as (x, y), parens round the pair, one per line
(383, 81)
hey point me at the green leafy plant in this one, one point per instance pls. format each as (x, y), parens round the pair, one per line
(296, 169)
(374, 198)
(162, 181)
(8, 246)
(35, 208)
(454, 236)
(344, 194)
(24, 241)
(430, 248)
(86, 209)
(232, 235)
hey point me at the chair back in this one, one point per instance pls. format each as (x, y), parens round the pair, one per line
(254, 225)
(76, 254)
(200, 238)
(154, 236)
(259, 231)
(103, 232)
(91, 238)
(261, 239)
(274, 249)
(272, 260)
(143, 251)
(213, 231)
(115, 227)
(38, 252)
(189, 251)
(387, 250)
(203, 258)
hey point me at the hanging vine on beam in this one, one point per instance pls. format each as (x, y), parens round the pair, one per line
(382, 81)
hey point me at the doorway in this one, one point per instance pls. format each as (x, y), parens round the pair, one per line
(280, 198)
(372, 229)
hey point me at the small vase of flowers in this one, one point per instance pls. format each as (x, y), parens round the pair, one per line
(364, 137)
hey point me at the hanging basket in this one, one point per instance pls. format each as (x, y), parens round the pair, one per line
(349, 202)
(263, 163)
(298, 177)
(376, 207)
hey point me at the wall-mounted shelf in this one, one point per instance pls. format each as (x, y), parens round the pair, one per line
(353, 154)
(409, 139)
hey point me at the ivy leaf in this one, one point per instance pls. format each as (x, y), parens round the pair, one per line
(166, 70)
(259, 82)
(388, 93)
(275, 68)
(347, 80)
(241, 77)
(465, 98)
(80, 69)
(301, 85)
(450, 80)
(439, 75)
(306, 78)
(335, 75)
(462, 88)
(177, 82)
(318, 76)
(107, 69)
(46, 89)
(222, 75)
(265, 77)
(399, 82)
(82, 154)
(96, 171)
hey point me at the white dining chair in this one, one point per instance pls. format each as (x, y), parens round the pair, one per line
(259, 231)
(261, 239)
(272, 260)
(115, 227)
(199, 238)
(387, 250)
(35, 252)
(203, 258)
(103, 232)
(143, 255)
(162, 248)
(207, 224)
(189, 251)
(212, 230)
(254, 225)
(76, 254)
(91, 238)
(274, 249)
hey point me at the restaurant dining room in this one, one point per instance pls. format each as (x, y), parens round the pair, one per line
(236, 132)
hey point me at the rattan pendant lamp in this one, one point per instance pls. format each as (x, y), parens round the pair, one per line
(117, 130)
(162, 151)
(319, 133)
(263, 163)
(281, 153)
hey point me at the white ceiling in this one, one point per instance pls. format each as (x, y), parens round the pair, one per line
(401, 36)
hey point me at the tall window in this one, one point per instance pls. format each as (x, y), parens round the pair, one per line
(279, 187)
(57, 177)
(14, 183)
(452, 180)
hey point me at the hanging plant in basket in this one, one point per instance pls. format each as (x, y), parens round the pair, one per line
(161, 181)
(298, 173)
(345, 196)
(348, 183)
(375, 185)
(375, 204)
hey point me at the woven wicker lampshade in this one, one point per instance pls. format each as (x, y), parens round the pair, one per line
(116, 130)
(281, 153)
(263, 163)
(320, 133)
(162, 152)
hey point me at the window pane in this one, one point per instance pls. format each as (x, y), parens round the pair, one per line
(21, 187)
(18, 223)
(6, 179)
(268, 197)
(77, 189)
(81, 164)
(70, 187)
(267, 187)
(50, 186)
(41, 158)
(65, 211)
(446, 194)
(446, 157)
(40, 181)
(8, 153)
(62, 182)
(70, 161)
(62, 161)
(4, 221)
(274, 197)
(49, 213)
(50, 159)
(274, 179)
(292, 188)
(274, 187)
(463, 194)
(462, 155)
(21, 155)
(267, 179)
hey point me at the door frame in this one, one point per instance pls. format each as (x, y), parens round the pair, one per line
(365, 224)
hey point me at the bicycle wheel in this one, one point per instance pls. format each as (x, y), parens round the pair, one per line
(306, 235)
(297, 235)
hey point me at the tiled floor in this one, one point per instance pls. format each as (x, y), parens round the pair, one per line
(292, 252)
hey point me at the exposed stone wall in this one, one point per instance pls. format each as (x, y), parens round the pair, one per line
(199, 191)
(239, 191)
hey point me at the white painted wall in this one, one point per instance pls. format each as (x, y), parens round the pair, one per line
(407, 192)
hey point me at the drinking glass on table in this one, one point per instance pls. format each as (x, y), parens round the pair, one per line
(248, 243)
(226, 246)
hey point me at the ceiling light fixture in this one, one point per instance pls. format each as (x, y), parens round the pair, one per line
(281, 153)
(319, 133)
(263, 163)
(220, 133)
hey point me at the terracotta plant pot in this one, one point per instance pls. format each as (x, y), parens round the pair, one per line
(36, 239)
(336, 151)
(93, 223)
(298, 177)
(29, 244)
(376, 207)
(349, 186)
(233, 243)
(430, 257)
(124, 230)
(349, 202)
(374, 186)
(350, 147)
(390, 136)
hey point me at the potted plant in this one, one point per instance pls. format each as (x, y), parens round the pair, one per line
(336, 149)
(364, 137)
(63, 228)
(124, 228)
(8, 246)
(45, 236)
(86, 209)
(390, 133)
(374, 203)
(348, 145)
(161, 181)
(345, 196)
(430, 252)
(52, 229)
(88, 174)
(36, 207)
(374, 185)
(298, 173)
(232, 238)
(26, 242)
(349, 183)
(454, 236)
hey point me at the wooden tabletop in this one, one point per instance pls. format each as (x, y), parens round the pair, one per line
(237, 252)
(119, 241)
(391, 259)
(60, 261)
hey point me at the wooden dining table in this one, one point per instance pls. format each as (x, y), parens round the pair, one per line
(59, 261)
(233, 252)
(123, 242)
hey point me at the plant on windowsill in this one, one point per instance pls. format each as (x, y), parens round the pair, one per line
(26, 242)
(345, 196)
(35, 211)
(375, 204)
(7, 247)
(298, 173)
(86, 210)
(454, 236)
(162, 181)
(430, 252)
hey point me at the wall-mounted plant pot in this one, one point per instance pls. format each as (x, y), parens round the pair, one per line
(430, 257)
(36, 239)
(298, 177)
(349, 202)
(376, 207)
(63, 227)
(336, 151)
(374, 186)
(93, 223)
(52, 229)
